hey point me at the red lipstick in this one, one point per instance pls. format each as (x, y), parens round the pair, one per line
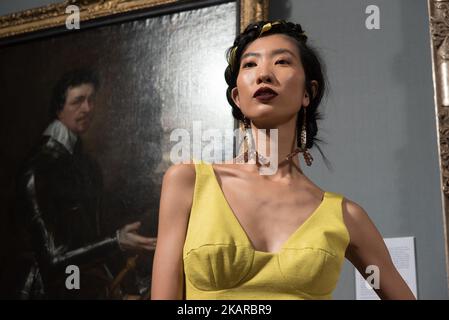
(265, 94)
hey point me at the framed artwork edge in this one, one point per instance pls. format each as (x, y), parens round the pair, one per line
(54, 15)
(439, 42)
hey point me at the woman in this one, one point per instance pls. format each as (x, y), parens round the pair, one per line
(228, 232)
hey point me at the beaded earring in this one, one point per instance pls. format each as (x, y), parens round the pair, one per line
(249, 150)
(303, 138)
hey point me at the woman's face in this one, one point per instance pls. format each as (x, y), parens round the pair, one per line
(271, 62)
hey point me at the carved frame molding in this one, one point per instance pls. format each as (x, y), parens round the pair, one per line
(439, 38)
(54, 15)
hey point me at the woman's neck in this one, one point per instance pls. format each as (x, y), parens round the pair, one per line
(275, 146)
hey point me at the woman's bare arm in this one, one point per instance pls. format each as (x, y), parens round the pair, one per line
(174, 210)
(368, 248)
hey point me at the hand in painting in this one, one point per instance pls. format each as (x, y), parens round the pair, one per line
(130, 240)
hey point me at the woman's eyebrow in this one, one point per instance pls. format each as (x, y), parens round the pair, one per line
(273, 53)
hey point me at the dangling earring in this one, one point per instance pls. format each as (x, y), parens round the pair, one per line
(246, 143)
(307, 156)
(244, 125)
(249, 149)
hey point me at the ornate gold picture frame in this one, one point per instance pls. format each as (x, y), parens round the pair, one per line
(439, 32)
(55, 15)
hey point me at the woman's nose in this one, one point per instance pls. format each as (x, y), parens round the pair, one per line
(265, 75)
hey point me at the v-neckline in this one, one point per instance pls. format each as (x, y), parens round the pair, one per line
(243, 231)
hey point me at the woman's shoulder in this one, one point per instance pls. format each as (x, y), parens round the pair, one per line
(352, 209)
(353, 213)
(357, 220)
(180, 174)
(177, 192)
(349, 206)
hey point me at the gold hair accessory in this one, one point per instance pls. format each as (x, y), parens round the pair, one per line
(267, 26)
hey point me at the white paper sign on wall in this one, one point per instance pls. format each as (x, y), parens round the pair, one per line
(402, 251)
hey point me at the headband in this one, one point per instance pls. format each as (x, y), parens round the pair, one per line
(266, 27)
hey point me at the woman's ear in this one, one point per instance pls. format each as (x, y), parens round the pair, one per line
(306, 99)
(235, 96)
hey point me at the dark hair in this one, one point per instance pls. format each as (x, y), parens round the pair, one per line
(313, 67)
(72, 78)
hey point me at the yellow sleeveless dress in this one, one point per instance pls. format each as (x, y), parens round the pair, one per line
(221, 263)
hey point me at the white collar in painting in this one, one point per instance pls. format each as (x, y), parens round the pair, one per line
(58, 131)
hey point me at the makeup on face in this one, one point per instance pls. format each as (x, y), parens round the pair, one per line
(271, 74)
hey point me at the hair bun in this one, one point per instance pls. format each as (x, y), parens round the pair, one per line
(297, 28)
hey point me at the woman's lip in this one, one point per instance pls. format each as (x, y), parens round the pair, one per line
(266, 97)
(264, 90)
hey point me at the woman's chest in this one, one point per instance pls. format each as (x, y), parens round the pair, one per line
(269, 215)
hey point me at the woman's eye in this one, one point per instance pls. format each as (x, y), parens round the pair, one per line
(282, 61)
(248, 64)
